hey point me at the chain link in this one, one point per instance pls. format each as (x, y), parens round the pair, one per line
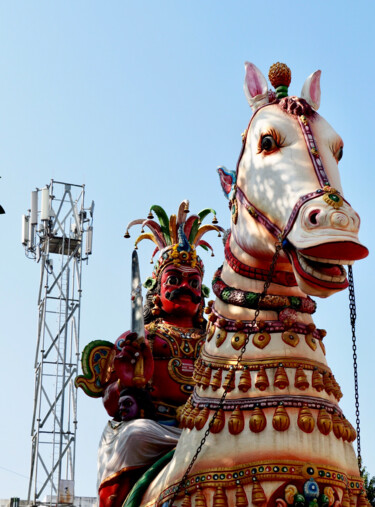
(267, 283)
(353, 316)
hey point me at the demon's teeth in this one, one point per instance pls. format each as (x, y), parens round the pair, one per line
(317, 274)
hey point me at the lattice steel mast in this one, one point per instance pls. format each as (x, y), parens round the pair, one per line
(53, 235)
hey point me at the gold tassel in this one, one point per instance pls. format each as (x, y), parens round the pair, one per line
(301, 381)
(353, 433)
(324, 422)
(201, 419)
(200, 500)
(257, 495)
(241, 498)
(191, 418)
(338, 426)
(185, 414)
(317, 380)
(280, 419)
(198, 373)
(362, 500)
(352, 501)
(236, 422)
(347, 430)
(229, 381)
(216, 380)
(187, 501)
(305, 420)
(281, 378)
(245, 380)
(219, 422)
(328, 386)
(345, 502)
(258, 420)
(261, 381)
(197, 366)
(336, 389)
(206, 377)
(220, 498)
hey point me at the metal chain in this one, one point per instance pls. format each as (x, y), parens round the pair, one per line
(233, 372)
(353, 316)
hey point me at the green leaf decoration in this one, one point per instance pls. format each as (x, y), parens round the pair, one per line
(202, 215)
(205, 291)
(163, 221)
(150, 283)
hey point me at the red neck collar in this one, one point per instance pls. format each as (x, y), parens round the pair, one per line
(280, 277)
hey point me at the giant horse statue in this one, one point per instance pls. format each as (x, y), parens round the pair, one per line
(266, 403)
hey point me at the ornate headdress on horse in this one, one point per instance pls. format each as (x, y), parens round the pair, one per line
(176, 238)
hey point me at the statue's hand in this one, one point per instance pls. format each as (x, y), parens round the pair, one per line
(129, 353)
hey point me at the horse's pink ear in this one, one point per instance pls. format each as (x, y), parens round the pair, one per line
(311, 90)
(255, 86)
(227, 180)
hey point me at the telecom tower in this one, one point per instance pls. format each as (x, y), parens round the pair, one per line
(53, 234)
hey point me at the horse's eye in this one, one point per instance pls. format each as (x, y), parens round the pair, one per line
(339, 153)
(268, 143)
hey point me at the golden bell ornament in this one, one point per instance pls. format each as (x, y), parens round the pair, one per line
(257, 421)
(216, 380)
(353, 433)
(229, 381)
(328, 386)
(281, 378)
(185, 415)
(201, 419)
(241, 498)
(245, 381)
(219, 422)
(301, 381)
(200, 499)
(336, 389)
(190, 419)
(305, 420)
(347, 430)
(220, 498)
(261, 381)
(324, 422)
(257, 495)
(338, 426)
(236, 422)
(280, 420)
(345, 502)
(187, 501)
(206, 377)
(196, 374)
(317, 380)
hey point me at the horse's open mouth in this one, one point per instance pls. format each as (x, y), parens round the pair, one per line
(325, 273)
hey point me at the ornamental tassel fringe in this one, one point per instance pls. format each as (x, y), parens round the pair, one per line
(347, 430)
(338, 426)
(324, 422)
(328, 386)
(362, 500)
(216, 380)
(280, 419)
(236, 422)
(201, 419)
(241, 498)
(281, 378)
(345, 502)
(187, 501)
(301, 381)
(206, 377)
(245, 381)
(189, 421)
(229, 381)
(185, 414)
(257, 495)
(336, 389)
(220, 498)
(200, 500)
(258, 420)
(198, 373)
(305, 420)
(261, 381)
(219, 422)
(317, 380)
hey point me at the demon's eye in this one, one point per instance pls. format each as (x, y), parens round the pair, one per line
(173, 280)
(194, 283)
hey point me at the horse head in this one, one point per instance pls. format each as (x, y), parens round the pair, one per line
(287, 185)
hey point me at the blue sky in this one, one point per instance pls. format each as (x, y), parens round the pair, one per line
(141, 101)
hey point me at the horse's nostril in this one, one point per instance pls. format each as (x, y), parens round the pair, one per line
(313, 217)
